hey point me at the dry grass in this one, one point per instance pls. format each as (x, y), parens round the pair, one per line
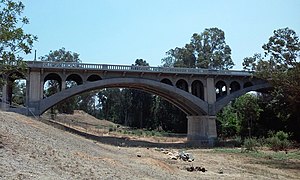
(34, 150)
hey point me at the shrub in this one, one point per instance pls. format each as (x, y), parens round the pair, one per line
(278, 141)
(238, 141)
(282, 135)
(112, 128)
(250, 144)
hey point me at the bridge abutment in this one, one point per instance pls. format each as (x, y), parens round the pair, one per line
(202, 130)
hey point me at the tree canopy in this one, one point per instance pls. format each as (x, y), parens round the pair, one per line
(280, 65)
(13, 39)
(206, 50)
(61, 55)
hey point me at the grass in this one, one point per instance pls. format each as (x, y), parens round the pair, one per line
(135, 132)
(280, 155)
(140, 132)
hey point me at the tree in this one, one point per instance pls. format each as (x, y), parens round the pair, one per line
(228, 124)
(283, 49)
(280, 65)
(61, 55)
(206, 50)
(240, 117)
(13, 40)
(168, 117)
(248, 112)
(140, 105)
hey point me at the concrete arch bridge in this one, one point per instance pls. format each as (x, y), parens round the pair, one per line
(200, 93)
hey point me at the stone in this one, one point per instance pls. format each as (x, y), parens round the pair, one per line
(174, 157)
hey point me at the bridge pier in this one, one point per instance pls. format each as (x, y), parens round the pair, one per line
(202, 130)
(4, 105)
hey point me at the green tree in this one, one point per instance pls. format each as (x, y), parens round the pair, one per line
(241, 117)
(110, 104)
(141, 103)
(248, 112)
(228, 124)
(19, 91)
(168, 117)
(281, 67)
(61, 55)
(13, 40)
(206, 50)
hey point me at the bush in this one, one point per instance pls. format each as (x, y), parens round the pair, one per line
(250, 144)
(278, 141)
(238, 141)
(112, 128)
(282, 135)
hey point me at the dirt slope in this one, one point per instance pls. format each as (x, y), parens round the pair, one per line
(30, 149)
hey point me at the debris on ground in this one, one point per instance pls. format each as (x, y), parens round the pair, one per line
(220, 171)
(197, 168)
(186, 156)
(177, 155)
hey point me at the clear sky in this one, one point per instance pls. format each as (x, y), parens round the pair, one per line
(120, 31)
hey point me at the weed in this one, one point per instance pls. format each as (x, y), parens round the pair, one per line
(250, 144)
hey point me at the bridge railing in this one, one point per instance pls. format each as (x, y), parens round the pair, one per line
(132, 68)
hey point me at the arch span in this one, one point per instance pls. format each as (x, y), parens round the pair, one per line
(223, 102)
(183, 100)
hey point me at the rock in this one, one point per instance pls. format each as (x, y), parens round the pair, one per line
(220, 171)
(174, 157)
(186, 156)
(191, 169)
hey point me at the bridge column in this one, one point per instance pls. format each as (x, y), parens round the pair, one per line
(35, 91)
(4, 104)
(210, 91)
(202, 130)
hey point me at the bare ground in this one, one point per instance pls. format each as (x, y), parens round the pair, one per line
(30, 149)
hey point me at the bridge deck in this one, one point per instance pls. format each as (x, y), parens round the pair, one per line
(132, 68)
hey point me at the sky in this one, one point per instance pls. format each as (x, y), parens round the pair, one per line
(121, 31)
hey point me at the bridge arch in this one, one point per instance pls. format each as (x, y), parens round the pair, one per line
(167, 81)
(11, 78)
(183, 100)
(182, 84)
(94, 77)
(224, 101)
(221, 89)
(198, 89)
(234, 86)
(75, 77)
(53, 76)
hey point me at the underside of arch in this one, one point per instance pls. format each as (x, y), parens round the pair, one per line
(223, 102)
(183, 100)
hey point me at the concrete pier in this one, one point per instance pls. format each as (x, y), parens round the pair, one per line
(202, 130)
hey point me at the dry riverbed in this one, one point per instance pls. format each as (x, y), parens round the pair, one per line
(30, 149)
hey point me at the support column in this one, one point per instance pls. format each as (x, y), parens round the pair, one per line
(202, 130)
(35, 92)
(210, 91)
(63, 85)
(190, 88)
(4, 104)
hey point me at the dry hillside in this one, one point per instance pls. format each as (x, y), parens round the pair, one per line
(30, 149)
